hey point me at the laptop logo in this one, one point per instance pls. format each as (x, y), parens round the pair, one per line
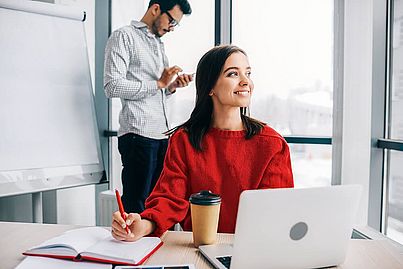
(298, 231)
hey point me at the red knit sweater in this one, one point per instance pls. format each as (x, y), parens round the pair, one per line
(228, 165)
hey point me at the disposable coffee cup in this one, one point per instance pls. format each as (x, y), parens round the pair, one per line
(205, 211)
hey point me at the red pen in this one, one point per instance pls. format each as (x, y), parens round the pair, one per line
(121, 209)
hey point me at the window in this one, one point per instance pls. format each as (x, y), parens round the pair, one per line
(394, 221)
(290, 48)
(394, 159)
(184, 48)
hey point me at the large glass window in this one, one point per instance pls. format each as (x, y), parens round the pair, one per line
(184, 47)
(394, 227)
(290, 48)
(396, 96)
(394, 217)
(308, 160)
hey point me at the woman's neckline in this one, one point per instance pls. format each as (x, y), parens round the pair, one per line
(227, 133)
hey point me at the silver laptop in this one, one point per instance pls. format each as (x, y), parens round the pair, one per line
(289, 228)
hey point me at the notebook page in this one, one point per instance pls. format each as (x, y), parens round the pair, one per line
(131, 252)
(77, 239)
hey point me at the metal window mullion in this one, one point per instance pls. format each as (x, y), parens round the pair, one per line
(376, 192)
(223, 22)
(217, 23)
(392, 144)
(338, 91)
(388, 84)
(313, 140)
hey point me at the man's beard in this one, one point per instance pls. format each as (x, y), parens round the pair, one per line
(155, 26)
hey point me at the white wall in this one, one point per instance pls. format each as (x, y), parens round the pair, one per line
(357, 98)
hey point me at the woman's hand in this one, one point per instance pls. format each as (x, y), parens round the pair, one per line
(138, 227)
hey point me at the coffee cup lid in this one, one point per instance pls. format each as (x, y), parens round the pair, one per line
(205, 198)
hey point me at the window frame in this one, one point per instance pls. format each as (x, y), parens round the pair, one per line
(384, 144)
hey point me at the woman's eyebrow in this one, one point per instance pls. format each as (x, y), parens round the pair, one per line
(231, 67)
(234, 67)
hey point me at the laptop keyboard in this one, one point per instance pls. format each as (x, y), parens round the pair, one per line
(225, 260)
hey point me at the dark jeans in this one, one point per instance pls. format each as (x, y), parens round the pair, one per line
(142, 160)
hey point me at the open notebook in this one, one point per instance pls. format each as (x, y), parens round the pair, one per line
(96, 244)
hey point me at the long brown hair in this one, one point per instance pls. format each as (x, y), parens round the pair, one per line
(208, 71)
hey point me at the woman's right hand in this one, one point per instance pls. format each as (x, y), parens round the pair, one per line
(138, 227)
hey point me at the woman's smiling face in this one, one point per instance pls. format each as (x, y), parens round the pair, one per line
(234, 86)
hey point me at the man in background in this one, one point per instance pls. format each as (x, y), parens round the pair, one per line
(137, 72)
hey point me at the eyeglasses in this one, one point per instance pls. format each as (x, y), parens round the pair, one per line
(172, 21)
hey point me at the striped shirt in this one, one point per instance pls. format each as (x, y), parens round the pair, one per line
(134, 61)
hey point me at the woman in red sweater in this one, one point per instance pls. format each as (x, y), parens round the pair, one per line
(219, 149)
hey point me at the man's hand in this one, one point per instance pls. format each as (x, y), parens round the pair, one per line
(181, 81)
(167, 76)
(138, 227)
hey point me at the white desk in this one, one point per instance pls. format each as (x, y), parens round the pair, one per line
(178, 248)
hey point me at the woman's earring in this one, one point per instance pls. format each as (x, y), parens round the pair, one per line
(211, 93)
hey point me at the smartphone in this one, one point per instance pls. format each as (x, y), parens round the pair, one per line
(189, 73)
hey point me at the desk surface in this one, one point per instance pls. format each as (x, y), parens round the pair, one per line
(178, 248)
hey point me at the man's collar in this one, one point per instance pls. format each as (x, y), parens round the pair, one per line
(139, 24)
